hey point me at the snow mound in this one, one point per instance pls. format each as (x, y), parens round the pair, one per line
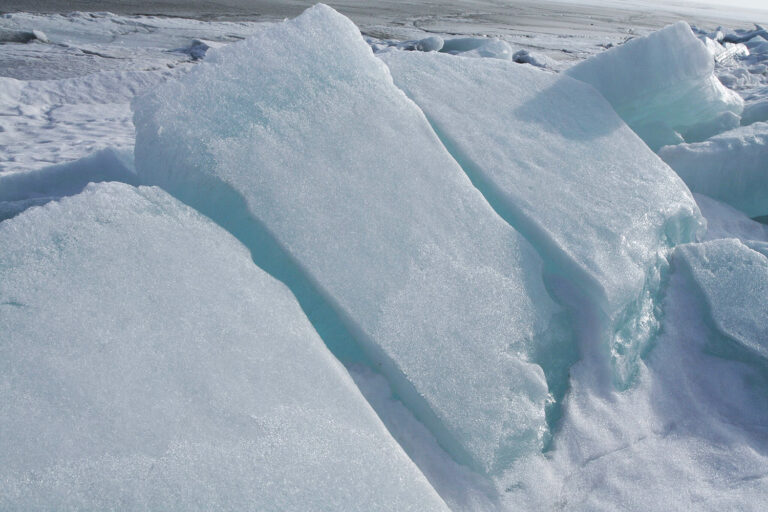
(298, 142)
(532, 58)
(730, 167)
(22, 36)
(558, 164)
(485, 47)
(755, 112)
(663, 85)
(149, 365)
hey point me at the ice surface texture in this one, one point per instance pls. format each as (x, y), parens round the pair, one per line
(731, 167)
(663, 85)
(733, 280)
(298, 142)
(557, 163)
(148, 364)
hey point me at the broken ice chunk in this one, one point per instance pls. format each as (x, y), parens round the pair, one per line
(298, 142)
(666, 77)
(731, 167)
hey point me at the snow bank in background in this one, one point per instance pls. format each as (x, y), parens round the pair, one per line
(479, 47)
(559, 165)
(724, 221)
(155, 367)
(298, 142)
(52, 121)
(731, 167)
(19, 190)
(22, 36)
(663, 85)
(89, 42)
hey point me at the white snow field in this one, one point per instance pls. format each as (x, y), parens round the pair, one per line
(663, 85)
(461, 255)
(731, 167)
(155, 367)
(299, 143)
(602, 220)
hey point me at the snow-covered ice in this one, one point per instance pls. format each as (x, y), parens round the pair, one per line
(20, 190)
(194, 382)
(663, 85)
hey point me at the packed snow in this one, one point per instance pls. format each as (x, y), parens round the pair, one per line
(467, 257)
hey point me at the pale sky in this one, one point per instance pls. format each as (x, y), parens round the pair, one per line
(750, 4)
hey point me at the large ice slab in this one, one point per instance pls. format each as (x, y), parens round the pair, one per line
(663, 85)
(299, 143)
(731, 167)
(147, 364)
(556, 161)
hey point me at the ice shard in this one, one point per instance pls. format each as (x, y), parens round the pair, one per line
(298, 142)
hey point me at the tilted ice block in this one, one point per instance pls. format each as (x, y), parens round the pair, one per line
(556, 161)
(733, 280)
(298, 142)
(663, 82)
(147, 364)
(731, 167)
